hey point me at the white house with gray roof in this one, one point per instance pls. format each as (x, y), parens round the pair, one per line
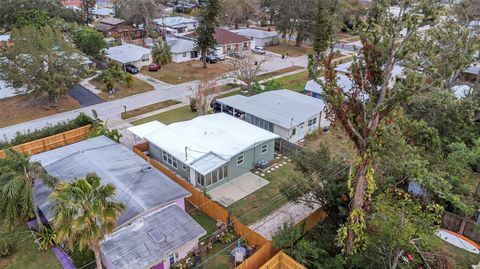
(130, 54)
(289, 114)
(154, 230)
(176, 25)
(183, 50)
(261, 38)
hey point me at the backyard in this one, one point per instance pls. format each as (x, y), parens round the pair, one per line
(19, 109)
(25, 252)
(289, 50)
(177, 73)
(122, 90)
(267, 199)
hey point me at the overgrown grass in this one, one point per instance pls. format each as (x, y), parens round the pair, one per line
(219, 256)
(25, 252)
(145, 109)
(460, 257)
(175, 115)
(264, 201)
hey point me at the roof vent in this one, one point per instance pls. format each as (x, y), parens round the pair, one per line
(157, 236)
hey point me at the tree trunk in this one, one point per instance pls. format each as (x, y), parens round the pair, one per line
(98, 259)
(298, 40)
(462, 226)
(357, 203)
(204, 58)
(396, 259)
(37, 213)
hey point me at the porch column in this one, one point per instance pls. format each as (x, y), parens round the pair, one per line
(192, 177)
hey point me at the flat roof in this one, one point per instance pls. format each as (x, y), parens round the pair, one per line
(219, 134)
(103, 11)
(174, 21)
(112, 21)
(4, 38)
(180, 45)
(145, 129)
(139, 186)
(146, 242)
(342, 81)
(255, 33)
(127, 53)
(284, 108)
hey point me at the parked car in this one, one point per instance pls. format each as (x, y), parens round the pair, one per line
(259, 50)
(237, 54)
(132, 69)
(154, 67)
(211, 59)
(220, 57)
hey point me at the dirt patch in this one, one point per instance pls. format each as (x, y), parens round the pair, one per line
(176, 73)
(19, 109)
(334, 140)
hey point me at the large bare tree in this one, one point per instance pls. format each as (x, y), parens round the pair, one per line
(246, 69)
(203, 95)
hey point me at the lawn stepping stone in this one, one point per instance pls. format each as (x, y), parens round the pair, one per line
(284, 162)
(285, 157)
(277, 157)
(256, 172)
(279, 154)
(268, 171)
(276, 166)
(262, 174)
(281, 164)
(289, 160)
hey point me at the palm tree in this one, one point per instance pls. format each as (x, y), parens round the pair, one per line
(112, 76)
(84, 212)
(161, 52)
(17, 180)
(128, 80)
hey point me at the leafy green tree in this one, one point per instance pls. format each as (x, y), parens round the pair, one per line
(38, 18)
(41, 61)
(208, 20)
(138, 11)
(112, 76)
(85, 212)
(17, 180)
(161, 52)
(322, 34)
(89, 41)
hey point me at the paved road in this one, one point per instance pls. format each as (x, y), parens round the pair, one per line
(84, 96)
(110, 111)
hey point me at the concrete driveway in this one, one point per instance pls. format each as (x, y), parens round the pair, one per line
(84, 96)
(237, 188)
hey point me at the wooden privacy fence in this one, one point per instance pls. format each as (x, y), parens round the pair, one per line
(215, 211)
(282, 261)
(285, 147)
(453, 222)
(52, 142)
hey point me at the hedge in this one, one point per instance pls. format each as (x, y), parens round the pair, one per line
(20, 138)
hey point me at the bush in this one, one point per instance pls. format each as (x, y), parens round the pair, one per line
(81, 120)
(5, 248)
(46, 238)
(83, 257)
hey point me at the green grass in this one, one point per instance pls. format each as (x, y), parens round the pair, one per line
(201, 218)
(25, 253)
(265, 200)
(122, 90)
(149, 108)
(460, 258)
(289, 49)
(295, 82)
(175, 115)
(278, 72)
(224, 260)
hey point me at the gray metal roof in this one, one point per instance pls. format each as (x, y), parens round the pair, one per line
(255, 33)
(146, 242)
(127, 53)
(284, 108)
(139, 186)
(179, 45)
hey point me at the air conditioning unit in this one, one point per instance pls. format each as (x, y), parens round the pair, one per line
(262, 164)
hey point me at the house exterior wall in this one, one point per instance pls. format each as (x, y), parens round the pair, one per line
(141, 63)
(301, 129)
(182, 170)
(244, 46)
(180, 57)
(314, 94)
(179, 253)
(264, 42)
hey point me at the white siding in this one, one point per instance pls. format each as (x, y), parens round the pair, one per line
(180, 57)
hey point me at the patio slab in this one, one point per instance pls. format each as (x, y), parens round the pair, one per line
(237, 188)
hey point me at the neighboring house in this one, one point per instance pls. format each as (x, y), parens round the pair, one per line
(114, 27)
(210, 150)
(5, 41)
(154, 230)
(130, 54)
(289, 114)
(73, 4)
(229, 41)
(102, 13)
(313, 89)
(176, 25)
(6, 91)
(397, 72)
(183, 50)
(471, 73)
(260, 38)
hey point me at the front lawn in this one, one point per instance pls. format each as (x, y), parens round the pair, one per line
(145, 109)
(295, 82)
(122, 90)
(177, 73)
(20, 109)
(175, 115)
(264, 201)
(25, 252)
(289, 50)
(278, 72)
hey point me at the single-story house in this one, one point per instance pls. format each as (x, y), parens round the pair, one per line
(73, 4)
(210, 150)
(176, 25)
(260, 38)
(471, 73)
(289, 114)
(154, 229)
(5, 41)
(102, 13)
(130, 54)
(183, 50)
(6, 91)
(397, 72)
(115, 27)
(229, 41)
(313, 89)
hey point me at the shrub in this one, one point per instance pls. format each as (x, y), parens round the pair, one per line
(82, 258)
(5, 248)
(46, 238)
(81, 120)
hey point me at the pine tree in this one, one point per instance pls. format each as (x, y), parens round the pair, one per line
(208, 21)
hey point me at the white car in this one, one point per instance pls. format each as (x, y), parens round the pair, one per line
(258, 50)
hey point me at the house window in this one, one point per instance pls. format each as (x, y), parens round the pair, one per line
(145, 58)
(294, 131)
(213, 177)
(245, 45)
(169, 159)
(195, 25)
(229, 47)
(171, 259)
(312, 122)
(240, 159)
(264, 148)
(184, 54)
